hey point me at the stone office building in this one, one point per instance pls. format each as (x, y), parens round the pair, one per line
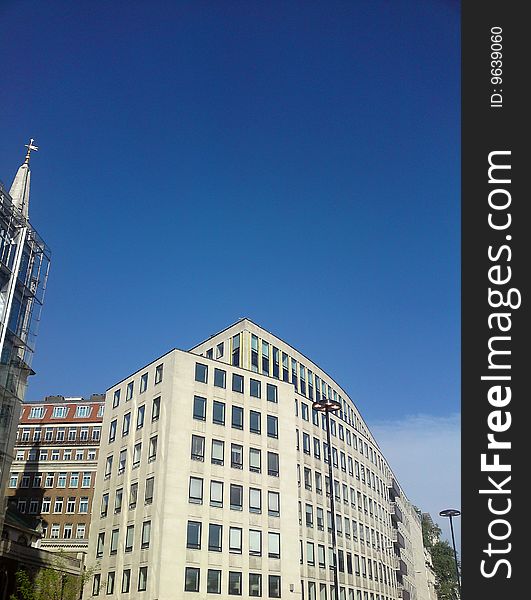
(54, 471)
(213, 479)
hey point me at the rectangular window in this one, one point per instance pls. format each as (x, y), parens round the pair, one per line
(126, 424)
(237, 417)
(61, 480)
(255, 585)
(96, 584)
(215, 535)
(146, 534)
(129, 538)
(155, 409)
(304, 411)
(158, 373)
(255, 500)
(152, 455)
(83, 505)
(254, 353)
(191, 579)
(112, 430)
(140, 416)
(198, 447)
(104, 505)
(236, 497)
(195, 493)
(133, 495)
(272, 393)
(273, 544)
(193, 536)
(273, 504)
(36, 412)
(129, 390)
(148, 494)
(255, 542)
(219, 350)
(137, 452)
(118, 500)
(218, 413)
(216, 494)
(220, 377)
(255, 421)
(143, 383)
(276, 362)
(236, 350)
(235, 540)
(272, 426)
(116, 399)
(199, 408)
(272, 464)
(235, 583)
(126, 581)
(67, 531)
(213, 581)
(306, 443)
(237, 383)
(265, 357)
(201, 373)
(218, 451)
(142, 579)
(114, 541)
(255, 388)
(309, 515)
(255, 460)
(236, 456)
(101, 543)
(310, 553)
(83, 412)
(110, 583)
(122, 461)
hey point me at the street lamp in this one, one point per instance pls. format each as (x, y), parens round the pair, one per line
(450, 513)
(326, 406)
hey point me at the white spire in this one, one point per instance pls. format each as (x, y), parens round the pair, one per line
(20, 189)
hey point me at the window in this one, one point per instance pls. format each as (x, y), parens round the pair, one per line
(255, 460)
(255, 500)
(129, 390)
(137, 452)
(112, 430)
(143, 382)
(306, 443)
(273, 544)
(235, 583)
(218, 414)
(307, 478)
(220, 378)
(115, 534)
(158, 373)
(152, 455)
(148, 494)
(254, 388)
(255, 584)
(218, 451)
(54, 531)
(216, 494)
(116, 399)
(191, 579)
(104, 505)
(55, 454)
(83, 505)
(61, 480)
(219, 350)
(101, 543)
(320, 518)
(82, 412)
(215, 535)
(237, 417)
(198, 447)
(129, 538)
(273, 504)
(155, 409)
(142, 579)
(195, 493)
(236, 497)
(126, 581)
(133, 495)
(193, 535)
(235, 540)
(254, 353)
(201, 373)
(140, 416)
(199, 408)
(67, 531)
(236, 456)
(272, 464)
(305, 413)
(126, 424)
(87, 479)
(146, 534)
(237, 383)
(213, 581)
(118, 500)
(46, 501)
(110, 583)
(36, 412)
(49, 480)
(122, 461)
(96, 584)
(59, 412)
(272, 393)
(13, 480)
(310, 553)
(272, 426)
(255, 421)
(309, 515)
(255, 542)
(236, 350)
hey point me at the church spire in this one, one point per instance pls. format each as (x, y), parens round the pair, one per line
(20, 188)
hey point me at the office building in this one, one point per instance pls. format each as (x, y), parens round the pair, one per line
(213, 479)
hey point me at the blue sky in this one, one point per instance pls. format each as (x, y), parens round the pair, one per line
(294, 162)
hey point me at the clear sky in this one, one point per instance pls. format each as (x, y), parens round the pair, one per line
(293, 162)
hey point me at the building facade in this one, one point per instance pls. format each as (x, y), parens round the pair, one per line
(213, 479)
(24, 265)
(54, 470)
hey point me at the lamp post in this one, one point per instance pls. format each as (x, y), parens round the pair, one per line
(326, 406)
(450, 513)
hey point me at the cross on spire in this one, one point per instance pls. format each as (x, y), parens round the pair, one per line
(30, 147)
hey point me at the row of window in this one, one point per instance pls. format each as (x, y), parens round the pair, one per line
(143, 384)
(347, 562)
(140, 418)
(68, 531)
(235, 534)
(129, 542)
(85, 434)
(127, 584)
(313, 588)
(55, 454)
(49, 480)
(72, 505)
(133, 496)
(136, 458)
(235, 493)
(238, 382)
(61, 412)
(192, 583)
